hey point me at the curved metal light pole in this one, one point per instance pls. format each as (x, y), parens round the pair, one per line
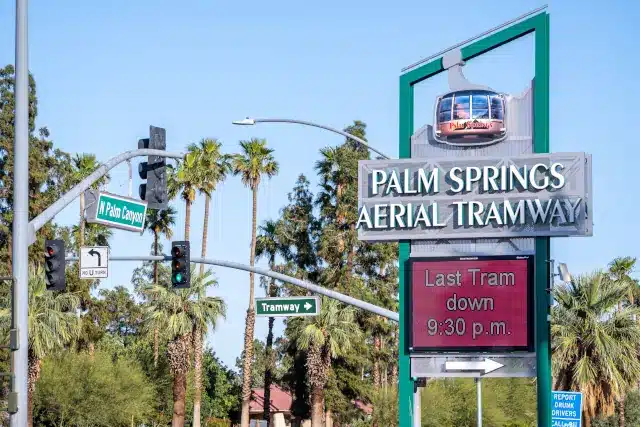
(381, 311)
(250, 121)
(48, 214)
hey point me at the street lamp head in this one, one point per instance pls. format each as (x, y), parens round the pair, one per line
(245, 122)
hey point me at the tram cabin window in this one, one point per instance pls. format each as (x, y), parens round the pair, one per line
(480, 106)
(444, 109)
(497, 108)
(461, 109)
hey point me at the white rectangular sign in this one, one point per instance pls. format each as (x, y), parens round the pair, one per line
(474, 366)
(94, 262)
(531, 195)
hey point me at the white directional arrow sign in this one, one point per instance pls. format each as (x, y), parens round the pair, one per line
(288, 306)
(94, 262)
(486, 365)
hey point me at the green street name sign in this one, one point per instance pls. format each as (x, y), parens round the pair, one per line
(118, 212)
(287, 307)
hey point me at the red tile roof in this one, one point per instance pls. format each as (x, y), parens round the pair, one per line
(281, 400)
(367, 408)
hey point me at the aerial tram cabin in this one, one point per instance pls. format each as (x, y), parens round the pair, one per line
(470, 117)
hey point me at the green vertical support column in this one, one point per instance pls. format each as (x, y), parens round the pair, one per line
(405, 384)
(542, 246)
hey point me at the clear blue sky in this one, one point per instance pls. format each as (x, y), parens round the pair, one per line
(107, 70)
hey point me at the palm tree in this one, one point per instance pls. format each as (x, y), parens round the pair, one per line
(268, 245)
(53, 324)
(325, 337)
(84, 164)
(177, 312)
(185, 181)
(159, 222)
(595, 345)
(254, 161)
(620, 270)
(93, 235)
(213, 167)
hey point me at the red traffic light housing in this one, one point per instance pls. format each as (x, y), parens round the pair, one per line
(54, 265)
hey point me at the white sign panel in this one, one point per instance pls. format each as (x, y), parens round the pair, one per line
(474, 366)
(476, 197)
(94, 262)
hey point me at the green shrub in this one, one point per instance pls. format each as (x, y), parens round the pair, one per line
(76, 389)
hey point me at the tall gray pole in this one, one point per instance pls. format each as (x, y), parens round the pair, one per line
(20, 244)
(417, 408)
(479, 400)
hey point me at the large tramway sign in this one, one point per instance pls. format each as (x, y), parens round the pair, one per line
(471, 304)
(473, 201)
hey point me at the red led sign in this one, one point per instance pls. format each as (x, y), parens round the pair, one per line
(472, 304)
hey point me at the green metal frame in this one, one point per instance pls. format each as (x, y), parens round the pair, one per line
(538, 24)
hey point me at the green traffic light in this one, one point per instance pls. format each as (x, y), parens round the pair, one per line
(178, 277)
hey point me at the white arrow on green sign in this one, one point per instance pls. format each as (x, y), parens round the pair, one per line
(287, 307)
(119, 212)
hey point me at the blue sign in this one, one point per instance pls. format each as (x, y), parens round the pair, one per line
(566, 409)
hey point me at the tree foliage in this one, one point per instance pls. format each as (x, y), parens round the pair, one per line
(76, 389)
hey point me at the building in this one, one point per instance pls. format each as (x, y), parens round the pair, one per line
(281, 401)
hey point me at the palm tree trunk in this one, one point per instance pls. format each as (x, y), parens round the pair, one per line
(197, 375)
(252, 257)
(394, 367)
(156, 347)
(179, 398)
(250, 323)
(246, 366)
(328, 418)
(268, 372)
(205, 230)
(621, 416)
(317, 406)
(197, 338)
(155, 252)
(34, 374)
(187, 219)
(376, 361)
(352, 250)
(81, 224)
(9, 253)
(156, 339)
(179, 353)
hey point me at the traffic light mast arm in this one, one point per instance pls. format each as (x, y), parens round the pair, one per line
(391, 315)
(38, 222)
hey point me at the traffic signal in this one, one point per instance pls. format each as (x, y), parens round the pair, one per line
(180, 264)
(54, 265)
(154, 191)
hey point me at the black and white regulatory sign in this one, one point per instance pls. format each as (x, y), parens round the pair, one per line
(94, 262)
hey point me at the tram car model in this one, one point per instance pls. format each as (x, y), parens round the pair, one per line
(470, 117)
